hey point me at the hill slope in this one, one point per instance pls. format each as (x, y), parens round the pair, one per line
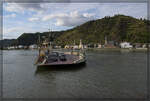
(32, 38)
(117, 28)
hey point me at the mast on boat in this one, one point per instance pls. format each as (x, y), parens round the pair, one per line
(39, 41)
(50, 39)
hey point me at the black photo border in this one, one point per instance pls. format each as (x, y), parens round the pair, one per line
(72, 99)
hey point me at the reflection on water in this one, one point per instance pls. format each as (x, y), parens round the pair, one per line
(72, 68)
(107, 74)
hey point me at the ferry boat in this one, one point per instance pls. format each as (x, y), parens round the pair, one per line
(49, 57)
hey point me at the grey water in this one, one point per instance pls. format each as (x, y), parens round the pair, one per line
(107, 74)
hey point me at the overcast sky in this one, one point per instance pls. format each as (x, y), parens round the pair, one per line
(39, 17)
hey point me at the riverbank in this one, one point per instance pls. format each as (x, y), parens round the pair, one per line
(99, 49)
(119, 49)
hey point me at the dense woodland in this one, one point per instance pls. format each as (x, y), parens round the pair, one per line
(117, 28)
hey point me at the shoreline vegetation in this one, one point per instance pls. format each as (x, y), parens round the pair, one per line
(120, 49)
(99, 49)
(108, 31)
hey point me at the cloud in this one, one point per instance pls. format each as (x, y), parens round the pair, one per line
(138, 10)
(51, 16)
(21, 7)
(72, 19)
(88, 15)
(33, 19)
(11, 16)
(38, 1)
(10, 30)
(15, 32)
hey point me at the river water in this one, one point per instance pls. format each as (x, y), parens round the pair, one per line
(107, 74)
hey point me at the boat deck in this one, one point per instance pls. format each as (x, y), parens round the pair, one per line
(69, 60)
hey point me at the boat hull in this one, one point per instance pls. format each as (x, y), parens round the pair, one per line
(56, 59)
(62, 65)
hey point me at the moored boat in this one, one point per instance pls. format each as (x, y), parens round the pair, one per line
(48, 57)
(61, 59)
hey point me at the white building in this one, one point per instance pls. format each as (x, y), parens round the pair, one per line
(81, 45)
(20, 46)
(99, 46)
(85, 46)
(125, 45)
(33, 46)
(75, 47)
(66, 46)
(57, 47)
(11, 47)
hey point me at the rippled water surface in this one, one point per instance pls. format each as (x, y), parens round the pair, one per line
(107, 74)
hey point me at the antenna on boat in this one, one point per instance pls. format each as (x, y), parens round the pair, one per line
(39, 43)
(39, 40)
(49, 35)
(50, 38)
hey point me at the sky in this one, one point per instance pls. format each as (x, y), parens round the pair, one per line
(19, 18)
